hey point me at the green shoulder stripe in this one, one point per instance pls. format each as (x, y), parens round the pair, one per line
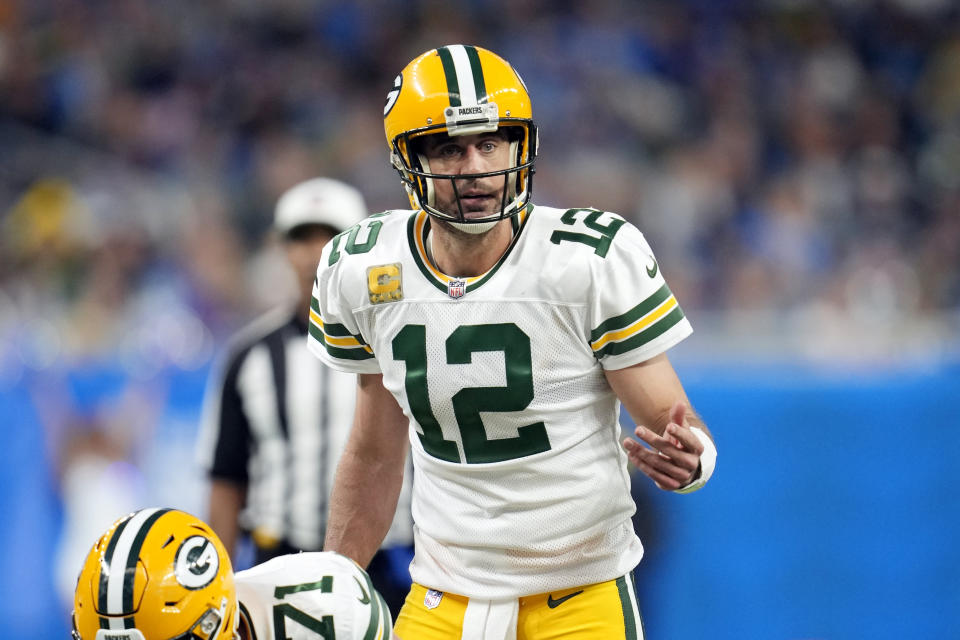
(340, 331)
(643, 337)
(626, 319)
(358, 353)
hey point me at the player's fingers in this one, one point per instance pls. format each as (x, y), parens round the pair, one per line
(662, 480)
(633, 449)
(664, 465)
(678, 412)
(670, 445)
(632, 445)
(652, 438)
(683, 460)
(686, 438)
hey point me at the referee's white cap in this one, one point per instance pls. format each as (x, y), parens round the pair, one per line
(319, 201)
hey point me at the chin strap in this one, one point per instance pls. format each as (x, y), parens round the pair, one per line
(512, 182)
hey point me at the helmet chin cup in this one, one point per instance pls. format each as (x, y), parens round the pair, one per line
(474, 228)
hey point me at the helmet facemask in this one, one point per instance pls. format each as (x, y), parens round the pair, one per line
(418, 178)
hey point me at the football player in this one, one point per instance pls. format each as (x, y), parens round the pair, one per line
(162, 574)
(498, 339)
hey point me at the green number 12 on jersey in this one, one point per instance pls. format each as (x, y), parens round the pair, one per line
(410, 346)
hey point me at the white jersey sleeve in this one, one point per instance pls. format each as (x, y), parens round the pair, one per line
(334, 333)
(311, 596)
(633, 315)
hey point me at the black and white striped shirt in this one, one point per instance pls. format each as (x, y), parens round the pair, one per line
(277, 420)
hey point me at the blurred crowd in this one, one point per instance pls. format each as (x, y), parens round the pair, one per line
(795, 158)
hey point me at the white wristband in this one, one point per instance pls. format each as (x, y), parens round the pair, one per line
(708, 461)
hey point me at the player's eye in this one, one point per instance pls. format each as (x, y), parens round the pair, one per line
(449, 151)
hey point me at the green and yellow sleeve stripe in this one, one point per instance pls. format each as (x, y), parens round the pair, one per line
(640, 325)
(336, 338)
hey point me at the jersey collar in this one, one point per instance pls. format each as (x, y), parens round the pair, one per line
(418, 227)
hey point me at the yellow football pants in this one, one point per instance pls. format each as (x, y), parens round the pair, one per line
(602, 611)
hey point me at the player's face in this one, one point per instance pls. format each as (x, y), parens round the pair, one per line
(477, 153)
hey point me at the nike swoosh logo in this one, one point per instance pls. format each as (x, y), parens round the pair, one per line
(553, 604)
(652, 271)
(366, 597)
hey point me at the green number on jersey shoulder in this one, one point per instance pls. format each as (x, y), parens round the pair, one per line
(600, 244)
(410, 346)
(368, 229)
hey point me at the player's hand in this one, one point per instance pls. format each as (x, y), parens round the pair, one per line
(672, 459)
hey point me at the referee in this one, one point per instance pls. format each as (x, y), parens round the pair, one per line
(276, 420)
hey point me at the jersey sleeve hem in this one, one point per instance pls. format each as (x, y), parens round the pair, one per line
(367, 365)
(677, 333)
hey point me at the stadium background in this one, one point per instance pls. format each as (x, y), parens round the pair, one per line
(795, 165)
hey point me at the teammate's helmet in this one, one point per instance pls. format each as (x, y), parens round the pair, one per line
(460, 90)
(156, 574)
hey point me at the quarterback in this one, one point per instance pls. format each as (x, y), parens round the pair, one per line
(497, 339)
(162, 574)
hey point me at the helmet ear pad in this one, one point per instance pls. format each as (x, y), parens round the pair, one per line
(428, 182)
(408, 179)
(514, 161)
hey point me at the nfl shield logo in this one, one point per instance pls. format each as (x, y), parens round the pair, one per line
(456, 287)
(432, 599)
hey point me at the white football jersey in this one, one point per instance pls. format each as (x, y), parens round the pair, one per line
(305, 596)
(520, 483)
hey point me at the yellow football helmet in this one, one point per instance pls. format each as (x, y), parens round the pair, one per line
(156, 574)
(460, 90)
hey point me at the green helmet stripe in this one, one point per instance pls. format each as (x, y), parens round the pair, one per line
(105, 570)
(464, 75)
(478, 82)
(131, 573)
(450, 73)
(118, 569)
